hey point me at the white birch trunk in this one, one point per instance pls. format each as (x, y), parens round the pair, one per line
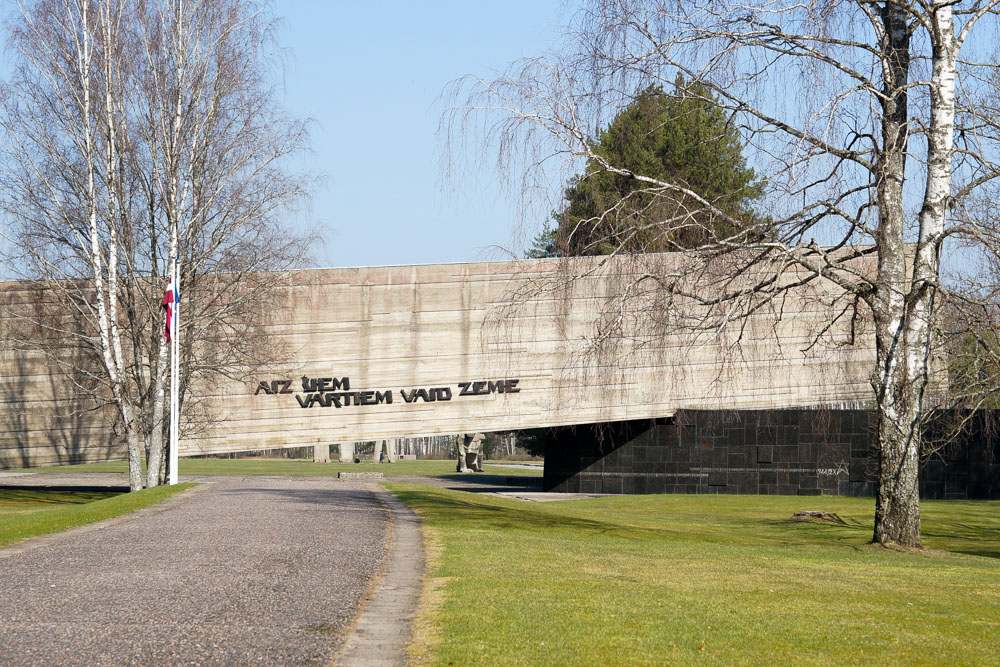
(897, 510)
(105, 291)
(896, 426)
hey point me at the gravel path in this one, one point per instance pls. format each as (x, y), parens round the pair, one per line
(254, 570)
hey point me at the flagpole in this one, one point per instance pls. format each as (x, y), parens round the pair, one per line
(174, 378)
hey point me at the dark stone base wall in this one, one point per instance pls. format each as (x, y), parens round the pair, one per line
(785, 452)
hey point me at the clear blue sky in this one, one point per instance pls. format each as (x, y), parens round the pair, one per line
(371, 76)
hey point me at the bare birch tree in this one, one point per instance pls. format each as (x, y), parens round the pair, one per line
(874, 125)
(138, 133)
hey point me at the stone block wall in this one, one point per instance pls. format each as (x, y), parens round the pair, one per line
(784, 452)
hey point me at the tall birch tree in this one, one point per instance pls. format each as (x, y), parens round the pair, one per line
(874, 125)
(137, 134)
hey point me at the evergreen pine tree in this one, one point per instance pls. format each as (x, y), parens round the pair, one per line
(683, 137)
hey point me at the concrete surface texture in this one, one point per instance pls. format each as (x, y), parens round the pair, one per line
(382, 630)
(260, 570)
(385, 352)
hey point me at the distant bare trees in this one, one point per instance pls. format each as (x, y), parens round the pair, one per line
(876, 128)
(137, 133)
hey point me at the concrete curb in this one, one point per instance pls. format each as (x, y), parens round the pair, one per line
(384, 625)
(54, 538)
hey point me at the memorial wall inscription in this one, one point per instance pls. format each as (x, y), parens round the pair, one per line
(336, 392)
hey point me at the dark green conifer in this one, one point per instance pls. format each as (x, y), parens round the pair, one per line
(682, 137)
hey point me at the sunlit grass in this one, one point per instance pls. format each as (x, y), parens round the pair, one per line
(27, 512)
(718, 579)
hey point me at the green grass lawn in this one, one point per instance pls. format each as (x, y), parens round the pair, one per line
(26, 512)
(259, 466)
(714, 579)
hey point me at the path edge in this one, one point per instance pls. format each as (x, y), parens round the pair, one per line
(381, 630)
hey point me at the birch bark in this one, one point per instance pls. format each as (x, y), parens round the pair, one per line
(910, 321)
(117, 112)
(105, 258)
(898, 435)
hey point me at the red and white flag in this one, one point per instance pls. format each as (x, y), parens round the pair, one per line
(170, 298)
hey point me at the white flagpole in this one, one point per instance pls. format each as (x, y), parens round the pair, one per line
(174, 377)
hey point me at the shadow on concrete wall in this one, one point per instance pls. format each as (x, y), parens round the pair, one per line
(51, 412)
(73, 428)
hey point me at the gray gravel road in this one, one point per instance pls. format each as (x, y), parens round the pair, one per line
(252, 571)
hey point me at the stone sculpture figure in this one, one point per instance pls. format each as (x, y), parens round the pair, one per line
(469, 447)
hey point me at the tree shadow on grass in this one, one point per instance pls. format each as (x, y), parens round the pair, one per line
(57, 495)
(450, 508)
(474, 479)
(965, 538)
(852, 533)
(475, 482)
(507, 514)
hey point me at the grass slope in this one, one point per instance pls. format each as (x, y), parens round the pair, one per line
(300, 467)
(28, 513)
(707, 579)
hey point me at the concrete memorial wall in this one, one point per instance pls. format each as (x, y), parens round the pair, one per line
(408, 351)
